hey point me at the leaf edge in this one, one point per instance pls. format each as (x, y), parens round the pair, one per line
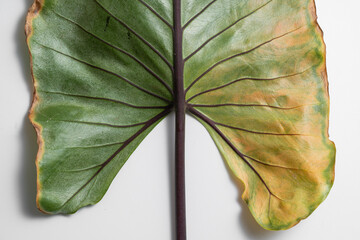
(33, 13)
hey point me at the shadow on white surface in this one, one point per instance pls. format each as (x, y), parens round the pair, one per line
(251, 228)
(27, 135)
(170, 125)
(247, 223)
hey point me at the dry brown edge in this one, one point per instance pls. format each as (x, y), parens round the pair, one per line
(31, 15)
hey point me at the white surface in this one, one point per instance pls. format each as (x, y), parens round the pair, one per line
(138, 205)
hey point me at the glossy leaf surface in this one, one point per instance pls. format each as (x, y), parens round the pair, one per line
(254, 75)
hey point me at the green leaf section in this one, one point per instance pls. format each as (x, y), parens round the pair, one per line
(254, 75)
(102, 84)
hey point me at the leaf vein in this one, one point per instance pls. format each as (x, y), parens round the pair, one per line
(231, 145)
(198, 14)
(247, 105)
(122, 51)
(246, 79)
(138, 36)
(93, 146)
(257, 132)
(107, 71)
(219, 33)
(105, 99)
(84, 169)
(157, 14)
(273, 165)
(126, 143)
(238, 55)
(100, 124)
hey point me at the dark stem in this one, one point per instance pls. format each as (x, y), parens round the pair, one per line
(180, 125)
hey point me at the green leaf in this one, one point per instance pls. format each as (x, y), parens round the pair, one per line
(254, 75)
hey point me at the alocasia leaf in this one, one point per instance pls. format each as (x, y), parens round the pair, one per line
(251, 71)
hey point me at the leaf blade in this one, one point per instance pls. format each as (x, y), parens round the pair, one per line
(90, 112)
(265, 103)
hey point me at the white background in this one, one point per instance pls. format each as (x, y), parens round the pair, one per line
(139, 203)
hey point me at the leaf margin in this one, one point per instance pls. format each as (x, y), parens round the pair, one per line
(33, 13)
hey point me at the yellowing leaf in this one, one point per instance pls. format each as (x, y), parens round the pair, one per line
(251, 71)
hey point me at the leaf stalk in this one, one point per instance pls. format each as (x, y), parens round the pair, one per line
(180, 109)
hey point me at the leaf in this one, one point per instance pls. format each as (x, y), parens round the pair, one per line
(105, 73)
(264, 100)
